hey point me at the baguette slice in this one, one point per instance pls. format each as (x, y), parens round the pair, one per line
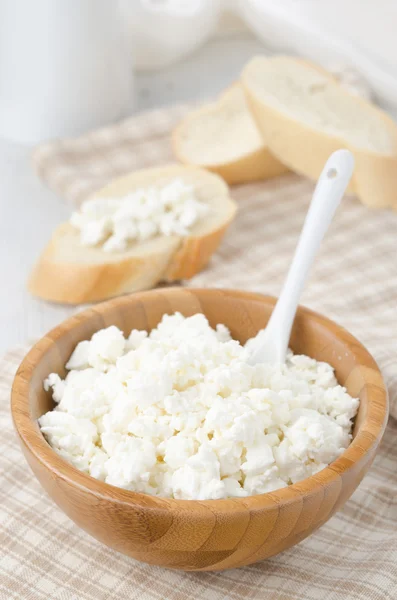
(71, 273)
(304, 115)
(222, 137)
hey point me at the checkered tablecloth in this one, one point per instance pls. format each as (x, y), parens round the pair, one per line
(43, 555)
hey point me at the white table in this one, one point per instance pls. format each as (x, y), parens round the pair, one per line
(29, 211)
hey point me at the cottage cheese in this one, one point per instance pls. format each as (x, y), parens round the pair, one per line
(181, 413)
(113, 223)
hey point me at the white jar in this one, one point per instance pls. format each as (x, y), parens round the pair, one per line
(65, 67)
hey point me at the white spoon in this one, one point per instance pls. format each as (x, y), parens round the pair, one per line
(271, 344)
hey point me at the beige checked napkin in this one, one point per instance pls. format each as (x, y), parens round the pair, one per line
(43, 555)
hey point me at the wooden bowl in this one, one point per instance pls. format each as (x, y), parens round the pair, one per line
(189, 534)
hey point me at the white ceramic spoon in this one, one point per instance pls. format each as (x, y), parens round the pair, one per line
(271, 344)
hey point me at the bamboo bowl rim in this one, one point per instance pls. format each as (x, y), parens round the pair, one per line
(369, 432)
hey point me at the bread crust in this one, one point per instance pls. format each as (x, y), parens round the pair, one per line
(252, 166)
(74, 282)
(77, 283)
(194, 254)
(305, 150)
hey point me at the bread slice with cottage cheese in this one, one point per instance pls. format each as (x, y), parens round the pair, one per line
(69, 272)
(304, 115)
(223, 138)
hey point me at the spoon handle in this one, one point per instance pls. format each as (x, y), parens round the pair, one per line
(328, 193)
